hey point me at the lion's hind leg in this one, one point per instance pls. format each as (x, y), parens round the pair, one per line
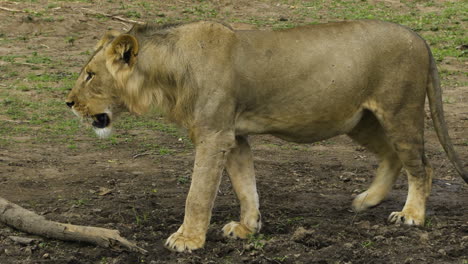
(370, 134)
(404, 127)
(419, 187)
(239, 166)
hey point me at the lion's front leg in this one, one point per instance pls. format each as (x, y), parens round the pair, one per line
(240, 168)
(210, 159)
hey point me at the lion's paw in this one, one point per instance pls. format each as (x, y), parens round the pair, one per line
(178, 242)
(365, 201)
(406, 218)
(237, 230)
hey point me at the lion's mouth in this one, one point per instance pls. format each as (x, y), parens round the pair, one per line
(101, 120)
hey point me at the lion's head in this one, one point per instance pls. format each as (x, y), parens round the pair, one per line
(97, 94)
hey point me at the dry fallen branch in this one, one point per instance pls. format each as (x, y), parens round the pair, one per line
(27, 221)
(141, 154)
(94, 12)
(14, 121)
(10, 9)
(87, 11)
(23, 11)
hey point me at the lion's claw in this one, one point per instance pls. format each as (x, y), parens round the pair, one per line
(179, 243)
(405, 218)
(237, 230)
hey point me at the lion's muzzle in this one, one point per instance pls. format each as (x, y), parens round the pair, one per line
(101, 120)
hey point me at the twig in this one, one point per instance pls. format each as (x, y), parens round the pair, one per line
(272, 260)
(15, 121)
(94, 12)
(141, 154)
(126, 27)
(10, 10)
(28, 64)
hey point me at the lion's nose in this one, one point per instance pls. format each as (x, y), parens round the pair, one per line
(70, 104)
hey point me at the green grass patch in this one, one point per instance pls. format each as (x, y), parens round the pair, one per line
(10, 58)
(133, 14)
(443, 29)
(35, 58)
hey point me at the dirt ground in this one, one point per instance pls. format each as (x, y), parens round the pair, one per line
(305, 190)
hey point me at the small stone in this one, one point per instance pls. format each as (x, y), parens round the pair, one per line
(21, 240)
(348, 245)
(409, 260)
(379, 238)
(424, 237)
(402, 238)
(118, 260)
(442, 252)
(28, 250)
(104, 191)
(16, 251)
(46, 256)
(301, 233)
(347, 176)
(360, 179)
(248, 247)
(254, 253)
(363, 224)
(360, 149)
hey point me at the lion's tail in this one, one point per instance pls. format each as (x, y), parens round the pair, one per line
(434, 93)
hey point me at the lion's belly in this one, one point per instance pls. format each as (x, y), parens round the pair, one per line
(298, 128)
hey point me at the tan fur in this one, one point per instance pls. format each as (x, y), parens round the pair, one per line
(108, 37)
(367, 79)
(239, 166)
(369, 133)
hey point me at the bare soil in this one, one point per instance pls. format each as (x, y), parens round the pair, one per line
(305, 190)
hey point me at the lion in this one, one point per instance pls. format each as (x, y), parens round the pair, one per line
(366, 79)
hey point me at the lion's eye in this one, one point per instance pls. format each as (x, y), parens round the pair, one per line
(90, 76)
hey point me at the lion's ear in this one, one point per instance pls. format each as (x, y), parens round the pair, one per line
(124, 49)
(108, 37)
